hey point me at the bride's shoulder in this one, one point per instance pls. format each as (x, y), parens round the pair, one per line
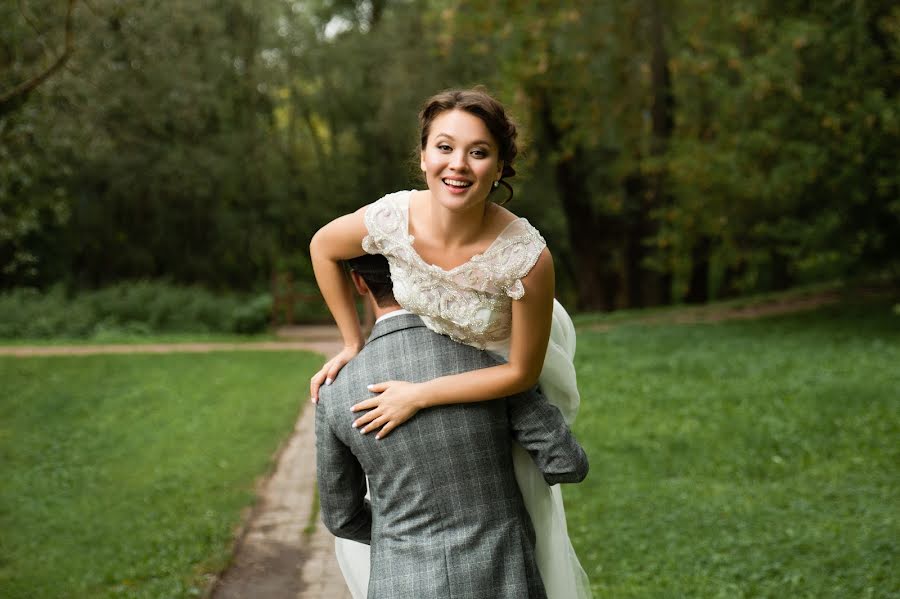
(391, 207)
(512, 227)
(395, 199)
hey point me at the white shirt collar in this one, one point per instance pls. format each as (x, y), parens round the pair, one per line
(397, 312)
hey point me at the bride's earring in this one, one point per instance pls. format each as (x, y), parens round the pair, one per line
(496, 184)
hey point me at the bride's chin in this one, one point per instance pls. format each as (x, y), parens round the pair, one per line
(468, 196)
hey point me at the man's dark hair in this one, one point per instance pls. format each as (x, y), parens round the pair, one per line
(376, 272)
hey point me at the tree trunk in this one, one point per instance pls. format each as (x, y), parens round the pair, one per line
(781, 278)
(656, 286)
(698, 286)
(594, 236)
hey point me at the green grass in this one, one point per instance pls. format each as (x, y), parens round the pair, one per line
(744, 459)
(126, 475)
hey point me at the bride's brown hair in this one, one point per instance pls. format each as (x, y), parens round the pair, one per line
(478, 102)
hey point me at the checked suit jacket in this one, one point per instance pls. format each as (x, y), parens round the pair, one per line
(446, 517)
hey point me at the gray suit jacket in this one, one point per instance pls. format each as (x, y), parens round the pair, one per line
(446, 517)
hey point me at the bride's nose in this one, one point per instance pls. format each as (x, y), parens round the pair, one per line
(458, 161)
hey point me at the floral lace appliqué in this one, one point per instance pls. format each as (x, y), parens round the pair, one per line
(471, 303)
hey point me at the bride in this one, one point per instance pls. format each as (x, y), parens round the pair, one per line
(474, 271)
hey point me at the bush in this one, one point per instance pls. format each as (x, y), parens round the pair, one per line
(137, 308)
(252, 316)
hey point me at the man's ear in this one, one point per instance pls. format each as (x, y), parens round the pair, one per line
(359, 283)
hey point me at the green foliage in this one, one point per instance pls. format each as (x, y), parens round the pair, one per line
(127, 475)
(777, 156)
(676, 151)
(743, 459)
(253, 316)
(140, 308)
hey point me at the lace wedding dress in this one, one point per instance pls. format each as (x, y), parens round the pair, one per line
(472, 304)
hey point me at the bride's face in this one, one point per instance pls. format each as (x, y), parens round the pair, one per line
(460, 160)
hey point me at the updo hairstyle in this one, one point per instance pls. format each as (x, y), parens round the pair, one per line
(478, 102)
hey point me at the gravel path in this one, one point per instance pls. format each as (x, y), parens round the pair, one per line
(284, 550)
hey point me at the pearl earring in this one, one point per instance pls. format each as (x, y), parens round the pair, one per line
(496, 183)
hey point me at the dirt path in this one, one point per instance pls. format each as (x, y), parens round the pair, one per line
(323, 339)
(714, 313)
(284, 551)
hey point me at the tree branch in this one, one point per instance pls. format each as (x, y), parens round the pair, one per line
(21, 91)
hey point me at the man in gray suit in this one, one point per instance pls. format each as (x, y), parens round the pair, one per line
(446, 517)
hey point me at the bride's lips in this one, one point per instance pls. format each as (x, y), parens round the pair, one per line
(456, 189)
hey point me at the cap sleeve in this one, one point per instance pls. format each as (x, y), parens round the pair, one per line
(386, 224)
(518, 251)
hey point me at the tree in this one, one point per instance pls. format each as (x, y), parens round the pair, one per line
(34, 166)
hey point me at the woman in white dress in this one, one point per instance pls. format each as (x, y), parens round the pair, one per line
(474, 271)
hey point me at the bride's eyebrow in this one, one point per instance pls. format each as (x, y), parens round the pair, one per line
(477, 142)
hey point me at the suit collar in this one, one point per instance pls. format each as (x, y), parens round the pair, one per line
(392, 325)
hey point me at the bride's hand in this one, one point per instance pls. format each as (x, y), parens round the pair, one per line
(398, 402)
(330, 370)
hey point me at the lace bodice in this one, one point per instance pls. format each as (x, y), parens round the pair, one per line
(471, 303)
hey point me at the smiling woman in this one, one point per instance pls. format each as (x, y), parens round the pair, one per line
(473, 271)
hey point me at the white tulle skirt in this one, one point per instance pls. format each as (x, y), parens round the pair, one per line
(560, 569)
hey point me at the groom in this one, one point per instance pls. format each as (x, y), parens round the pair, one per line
(446, 517)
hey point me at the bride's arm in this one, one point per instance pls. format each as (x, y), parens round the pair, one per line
(531, 317)
(341, 239)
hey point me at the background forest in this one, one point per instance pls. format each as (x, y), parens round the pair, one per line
(676, 150)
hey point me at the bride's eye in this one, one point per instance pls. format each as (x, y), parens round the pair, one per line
(444, 148)
(479, 153)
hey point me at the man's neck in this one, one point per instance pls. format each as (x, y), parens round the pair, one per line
(382, 313)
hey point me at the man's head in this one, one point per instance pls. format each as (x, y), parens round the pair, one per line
(371, 275)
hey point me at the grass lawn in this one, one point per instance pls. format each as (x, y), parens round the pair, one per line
(743, 459)
(126, 475)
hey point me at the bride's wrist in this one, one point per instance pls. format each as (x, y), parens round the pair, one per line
(354, 344)
(424, 393)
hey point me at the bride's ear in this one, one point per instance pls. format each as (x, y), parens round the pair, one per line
(422, 160)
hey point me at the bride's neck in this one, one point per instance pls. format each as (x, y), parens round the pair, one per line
(452, 229)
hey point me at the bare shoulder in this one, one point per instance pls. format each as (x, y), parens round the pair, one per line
(342, 238)
(500, 216)
(419, 196)
(542, 273)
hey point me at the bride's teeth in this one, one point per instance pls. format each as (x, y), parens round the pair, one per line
(453, 183)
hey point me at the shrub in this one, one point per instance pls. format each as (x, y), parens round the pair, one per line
(136, 308)
(252, 316)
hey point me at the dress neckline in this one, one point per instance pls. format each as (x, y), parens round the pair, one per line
(474, 258)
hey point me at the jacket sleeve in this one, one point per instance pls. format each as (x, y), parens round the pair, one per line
(342, 484)
(539, 427)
